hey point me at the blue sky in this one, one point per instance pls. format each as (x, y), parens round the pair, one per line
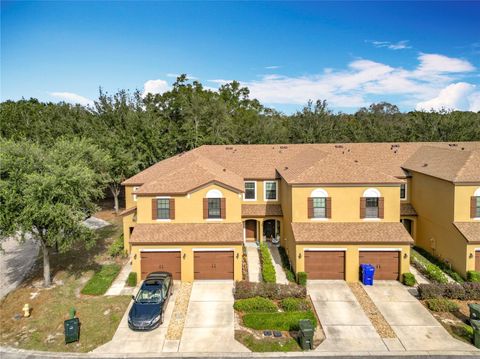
(417, 55)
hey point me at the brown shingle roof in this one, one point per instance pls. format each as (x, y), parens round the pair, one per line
(361, 232)
(128, 211)
(261, 210)
(448, 164)
(188, 233)
(406, 209)
(313, 166)
(470, 230)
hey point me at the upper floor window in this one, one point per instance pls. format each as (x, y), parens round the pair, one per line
(403, 191)
(214, 205)
(250, 191)
(270, 190)
(371, 204)
(163, 208)
(319, 204)
(135, 189)
(475, 205)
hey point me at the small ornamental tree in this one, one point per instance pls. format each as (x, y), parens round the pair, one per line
(45, 193)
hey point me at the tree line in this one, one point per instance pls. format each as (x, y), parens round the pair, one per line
(57, 159)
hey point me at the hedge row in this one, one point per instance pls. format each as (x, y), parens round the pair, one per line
(287, 268)
(464, 291)
(268, 270)
(445, 267)
(430, 270)
(273, 291)
(286, 321)
(473, 276)
(255, 305)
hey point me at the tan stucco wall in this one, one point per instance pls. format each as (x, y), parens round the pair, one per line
(346, 202)
(463, 195)
(471, 249)
(287, 237)
(189, 208)
(260, 194)
(352, 261)
(129, 202)
(127, 223)
(433, 200)
(409, 191)
(187, 262)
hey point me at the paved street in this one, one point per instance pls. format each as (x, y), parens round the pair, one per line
(15, 262)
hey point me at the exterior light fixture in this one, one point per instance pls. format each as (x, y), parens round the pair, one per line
(238, 255)
(299, 255)
(405, 255)
(135, 256)
(470, 255)
(184, 255)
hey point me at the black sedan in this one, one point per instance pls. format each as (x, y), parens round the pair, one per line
(151, 301)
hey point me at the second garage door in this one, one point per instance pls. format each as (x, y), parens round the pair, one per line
(160, 262)
(477, 261)
(213, 265)
(386, 263)
(325, 264)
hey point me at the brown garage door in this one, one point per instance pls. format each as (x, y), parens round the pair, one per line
(325, 264)
(477, 260)
(386, 263)
(213, 265)
(160, 262)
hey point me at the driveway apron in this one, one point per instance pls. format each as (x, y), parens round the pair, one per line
(346, 326)
(209, 325)
(415, 327)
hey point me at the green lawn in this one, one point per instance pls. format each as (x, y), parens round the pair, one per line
(267, 344)
(101, 280)
(283, 321)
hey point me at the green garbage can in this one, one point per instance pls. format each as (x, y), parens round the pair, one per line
(305, 334)
(476, 332)
(474, 311)
(72, 330)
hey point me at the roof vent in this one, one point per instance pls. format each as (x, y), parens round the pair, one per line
(338, 146)
(396, 145)
(453, 144)
(463, 148)
(425, 165)
(283, 147)
(286, 167)
(229, 148)
(356, 161)
(224, 170)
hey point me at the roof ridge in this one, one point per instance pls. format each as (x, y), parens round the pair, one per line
(460, 171)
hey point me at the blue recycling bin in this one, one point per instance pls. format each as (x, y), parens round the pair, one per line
(368, 272)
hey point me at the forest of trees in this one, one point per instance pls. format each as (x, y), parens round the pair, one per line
(56, 160)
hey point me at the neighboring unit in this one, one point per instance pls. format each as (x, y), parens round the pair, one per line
(333, 207)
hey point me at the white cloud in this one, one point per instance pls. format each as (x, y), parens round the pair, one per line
(452, 97)
(274, 67)
(220, 81)
(474, 101)
(155, 87)
(71, 97)
(365, 81)
(400, 45)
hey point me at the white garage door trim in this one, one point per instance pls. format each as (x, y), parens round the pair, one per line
(161, 250)
(325, 249)
(380, 249)
(213, 249)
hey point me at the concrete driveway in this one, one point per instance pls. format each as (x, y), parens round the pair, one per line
(15, 263)
(346, 326)
(209, 325)
(127, 341)
(415, 327)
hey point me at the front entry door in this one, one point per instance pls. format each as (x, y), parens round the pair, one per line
(251, 230)
(269, 229)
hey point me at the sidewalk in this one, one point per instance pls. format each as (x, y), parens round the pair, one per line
(277, 263)
(118, 286)
(253, 261)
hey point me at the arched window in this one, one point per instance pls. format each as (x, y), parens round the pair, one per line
(370, 205)
(214, 205)
(319, 204)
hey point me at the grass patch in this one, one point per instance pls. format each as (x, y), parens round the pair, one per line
(287, 268)
(294, 304)
(101, 280)
(266, 344)
(441, 305)
(255, 305)
(268, 270)
(131, 279)
(286, 321)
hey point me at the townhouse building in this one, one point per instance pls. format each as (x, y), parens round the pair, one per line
(331, 206)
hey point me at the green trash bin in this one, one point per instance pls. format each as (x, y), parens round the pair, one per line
(305, 334)
(476, 332)
(474, 311)
(72, 330)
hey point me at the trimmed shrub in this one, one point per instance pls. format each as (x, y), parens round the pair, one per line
(445, 267)
(465, 291)
(255, 305)
(441, 305)
(473, 276)
(268, 270)
(131, 279)
(286, 321)
(294, 305)
(430, 270)
(287, 268)
(116, 248)
(273, 291)
(101, 280)
(302, 278)
(409, 279)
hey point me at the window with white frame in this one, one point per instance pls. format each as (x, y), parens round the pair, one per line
(371, 197)
(270, 190)
(250, 191)
(214, 204)
(403, 191)
(163, 208)
(319, 203)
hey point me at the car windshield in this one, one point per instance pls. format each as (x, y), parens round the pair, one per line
(149, 294)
